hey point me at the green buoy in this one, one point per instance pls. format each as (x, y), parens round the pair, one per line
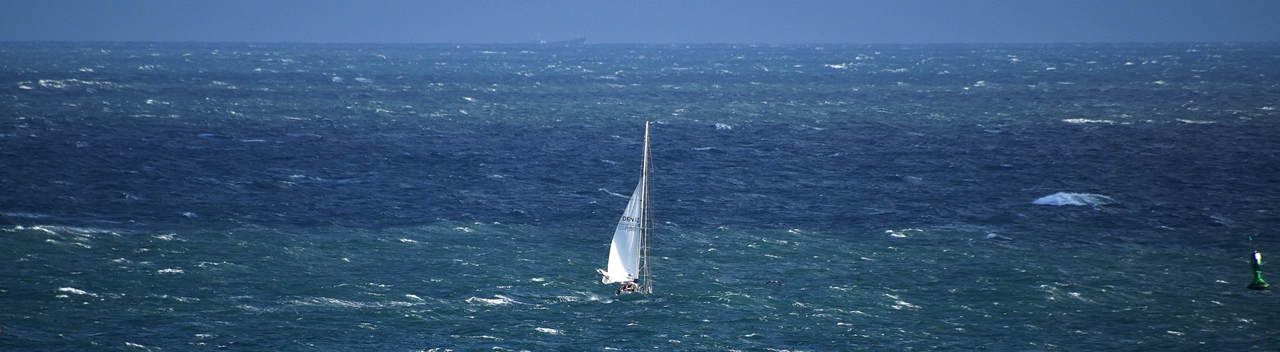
(1256, 263)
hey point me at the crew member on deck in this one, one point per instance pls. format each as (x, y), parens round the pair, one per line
(627, 287)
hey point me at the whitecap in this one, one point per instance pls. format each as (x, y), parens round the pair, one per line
(721, 126)
(549, 331)
(52, 83)
(330, 302)
(903, 233)
(992, 236)
(615, 194)
(77, 291)
(25, 215)
(169, 271)
(1083, 121)
(498, 300)
(1064, 198)
(169, 237)
(79, 231)
(900, 304)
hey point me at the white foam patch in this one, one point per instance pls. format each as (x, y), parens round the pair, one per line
(1064, 198)
(77, 291)
(615, 194)
(52, 83)
(900, 304)
(340, 303)
(25, 215)
(169, 271)
(549, 331)
(169, 237)
(903, 233)
(498, 300)
(83, 231)
(1084, 121)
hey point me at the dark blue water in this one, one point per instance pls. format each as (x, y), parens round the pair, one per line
(381, 197)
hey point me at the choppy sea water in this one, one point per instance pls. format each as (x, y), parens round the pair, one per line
(455, 197)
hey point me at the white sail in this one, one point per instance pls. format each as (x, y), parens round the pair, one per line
(629, 251)
(624, 252)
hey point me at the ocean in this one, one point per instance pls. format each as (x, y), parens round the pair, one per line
(336, 197)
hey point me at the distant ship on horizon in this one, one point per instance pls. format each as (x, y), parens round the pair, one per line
(575, 41)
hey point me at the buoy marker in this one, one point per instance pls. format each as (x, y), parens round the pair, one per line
(1256, 263)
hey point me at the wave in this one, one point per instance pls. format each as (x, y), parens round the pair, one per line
(1084, 121)
(341, 303)
(615, 194)
(1064, 198)
(25, 215)
(77, 291)
(549, 331)
(66, 230)
(498, 300)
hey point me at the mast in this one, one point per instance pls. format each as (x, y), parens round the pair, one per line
(646, 284)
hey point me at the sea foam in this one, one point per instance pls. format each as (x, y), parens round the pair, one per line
(1064, 198)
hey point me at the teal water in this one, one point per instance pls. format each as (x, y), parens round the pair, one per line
(346, 197)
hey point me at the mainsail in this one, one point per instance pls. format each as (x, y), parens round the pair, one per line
(629, 251)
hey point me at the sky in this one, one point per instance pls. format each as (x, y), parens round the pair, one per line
(643, 21)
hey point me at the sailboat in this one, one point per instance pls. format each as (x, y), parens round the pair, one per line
(629, 251)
